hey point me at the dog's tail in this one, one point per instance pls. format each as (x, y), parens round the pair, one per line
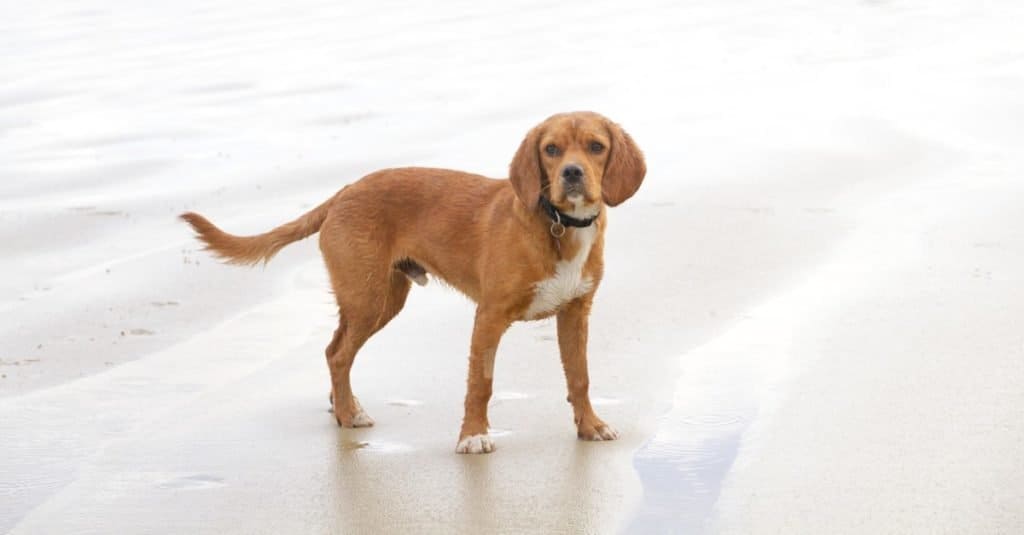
(251, 250)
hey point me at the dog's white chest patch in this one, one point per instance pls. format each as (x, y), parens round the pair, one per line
(568, 281)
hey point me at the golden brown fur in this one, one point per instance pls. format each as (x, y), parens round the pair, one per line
(487, 238)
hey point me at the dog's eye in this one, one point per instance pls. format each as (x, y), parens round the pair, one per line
(551, 149)
(596, 147)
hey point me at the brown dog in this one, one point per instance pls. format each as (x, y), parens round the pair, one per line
(525, 248)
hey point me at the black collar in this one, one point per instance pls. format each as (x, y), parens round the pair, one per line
(562, 218)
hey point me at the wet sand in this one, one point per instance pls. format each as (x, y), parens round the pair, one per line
(807, 323)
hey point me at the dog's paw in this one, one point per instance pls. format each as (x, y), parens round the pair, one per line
(475, 444)
(599, 433)
(359, 419)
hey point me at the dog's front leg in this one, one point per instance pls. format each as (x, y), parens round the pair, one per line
(572, 342)
(487, 331)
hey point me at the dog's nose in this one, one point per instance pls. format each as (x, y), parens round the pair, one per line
(572, 173)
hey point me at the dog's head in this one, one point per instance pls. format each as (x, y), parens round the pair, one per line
(577, 160)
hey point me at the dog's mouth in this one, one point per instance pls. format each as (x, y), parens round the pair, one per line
(571, 190)
(574, 193)
(576, 199)
(576, 204)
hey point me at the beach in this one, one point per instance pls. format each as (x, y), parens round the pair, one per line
(809, 320)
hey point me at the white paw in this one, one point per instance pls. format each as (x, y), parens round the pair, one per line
(475, 444)
(602, 433)
(361, 419)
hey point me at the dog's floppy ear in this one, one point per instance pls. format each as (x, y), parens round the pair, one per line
(525, 172)
(625, 169)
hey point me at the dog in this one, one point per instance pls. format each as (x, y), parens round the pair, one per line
(523, 248)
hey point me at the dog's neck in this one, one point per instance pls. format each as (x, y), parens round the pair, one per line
(564, 219)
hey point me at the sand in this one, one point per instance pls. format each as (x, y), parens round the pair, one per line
(809, 322)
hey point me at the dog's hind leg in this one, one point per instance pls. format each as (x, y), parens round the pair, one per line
(350, 335)
(362, 312)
